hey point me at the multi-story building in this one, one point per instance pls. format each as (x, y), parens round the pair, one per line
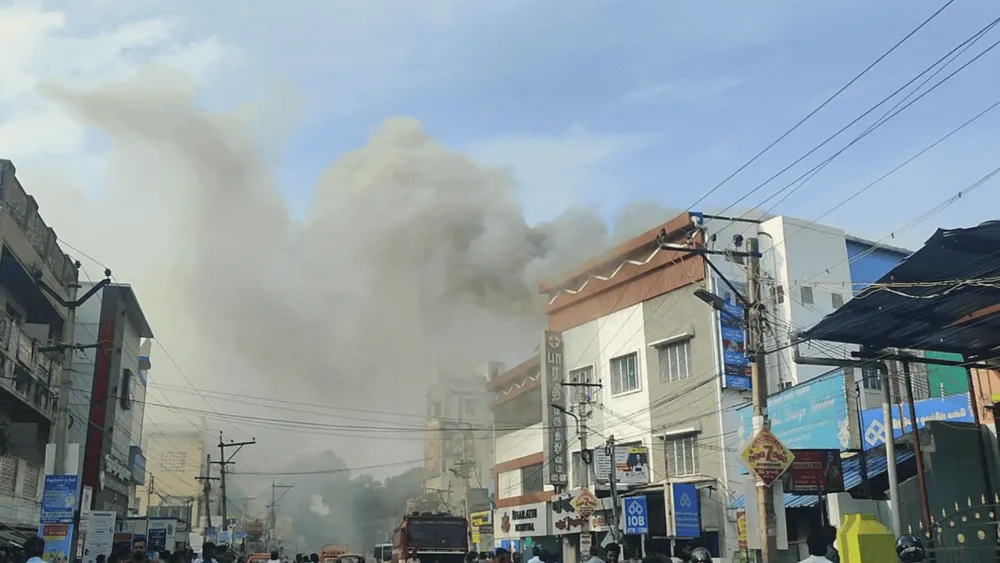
(458, 449)
(672, 373)
(521, 513)
(175, 456)
(107, 402)
(36, 281)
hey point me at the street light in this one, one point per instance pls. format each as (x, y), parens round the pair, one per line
(716, 302)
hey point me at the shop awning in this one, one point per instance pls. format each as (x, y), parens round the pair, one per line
(945, 297)
(852, 478)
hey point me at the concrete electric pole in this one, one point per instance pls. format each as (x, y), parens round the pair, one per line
(223, 463)
(207, 492)
(272, 520)
(768, 526)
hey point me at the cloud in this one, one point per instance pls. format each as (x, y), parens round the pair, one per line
(684, 90)
(554, 172)
(39, 45)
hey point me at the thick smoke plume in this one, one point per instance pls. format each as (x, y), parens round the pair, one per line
(413, 261)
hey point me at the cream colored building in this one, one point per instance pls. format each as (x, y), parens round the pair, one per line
(175, 457)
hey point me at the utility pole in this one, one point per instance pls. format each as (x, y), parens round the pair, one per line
(207, 491)
(582, 415)
(921, 480)
(223, 463)
(273, 508)
(768, 527)
(149, 502)
(890, 453)
(60, 435)
(613, 483)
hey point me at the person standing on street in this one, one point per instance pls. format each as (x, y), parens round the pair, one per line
(818, 543)
(595, 555)
(274, 558)
(34, 548)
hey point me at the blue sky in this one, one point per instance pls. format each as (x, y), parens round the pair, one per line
(598, 102)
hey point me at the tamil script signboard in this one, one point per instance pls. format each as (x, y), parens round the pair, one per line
(814, 471)
(553, 414)
(766, 457)
(810, 415)
(735, 364)
(953, 408)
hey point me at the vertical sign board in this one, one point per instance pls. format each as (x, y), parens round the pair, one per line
(59, 499)
(553, 417)
(100, 536)
(685, 517)
(735, 364)
(636, 515)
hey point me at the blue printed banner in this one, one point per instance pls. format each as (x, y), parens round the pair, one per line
(735, 364)
(811, 415)
(953, 408)
(59, 499)
(685, 516)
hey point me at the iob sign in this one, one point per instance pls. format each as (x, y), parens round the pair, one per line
(636, 515)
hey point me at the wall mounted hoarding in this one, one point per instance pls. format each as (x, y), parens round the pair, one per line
(732, 338)
(553, 414)
(810, 415)
(953, 408)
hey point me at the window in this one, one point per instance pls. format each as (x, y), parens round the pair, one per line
(125, 391)
(531, 479)
(807, 295)
(778, 294)
(675, 361)
(837, 300)
(625, 373)
(870, 378)
(682, 455)
(582, 375)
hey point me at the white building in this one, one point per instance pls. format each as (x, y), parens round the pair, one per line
(108, 398)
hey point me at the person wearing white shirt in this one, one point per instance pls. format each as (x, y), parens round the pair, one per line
(595, 555)
(274, 558)
(818, 542)
(34, 548)
(536, 555)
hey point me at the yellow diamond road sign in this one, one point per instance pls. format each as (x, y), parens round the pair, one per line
(767, 457)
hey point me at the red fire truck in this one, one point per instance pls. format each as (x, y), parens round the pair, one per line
(434, 537)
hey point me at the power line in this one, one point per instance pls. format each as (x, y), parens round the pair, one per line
(821, 106)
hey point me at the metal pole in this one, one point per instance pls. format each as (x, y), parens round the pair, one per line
(921, 480)
(149, 501)
(768, 527)
(222, 482)
(890, 453)
(613, 482)
(866, 488)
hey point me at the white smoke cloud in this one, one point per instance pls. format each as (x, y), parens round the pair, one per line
(413, 261)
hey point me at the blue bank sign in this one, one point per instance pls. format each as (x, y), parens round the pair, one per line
(811, 415)
(952, 408)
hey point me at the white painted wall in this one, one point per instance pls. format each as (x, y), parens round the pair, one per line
(625, 415)
(520, 443)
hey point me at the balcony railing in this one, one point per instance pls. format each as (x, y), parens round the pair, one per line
(24, 210)
(26, 372)
(20, 491)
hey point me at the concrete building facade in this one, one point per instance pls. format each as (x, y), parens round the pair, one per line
(458, 446)
(32, 321)
(108, 396)
(175, 455)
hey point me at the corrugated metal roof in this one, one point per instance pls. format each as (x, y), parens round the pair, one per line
(852, 478)
(948, 316)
